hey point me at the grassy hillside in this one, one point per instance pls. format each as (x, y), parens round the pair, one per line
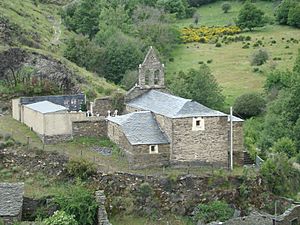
(231, 63)
(38, 28)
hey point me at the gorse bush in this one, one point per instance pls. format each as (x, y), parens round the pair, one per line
(214, 211)
(205, 34)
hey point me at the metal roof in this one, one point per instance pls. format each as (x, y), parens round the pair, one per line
(46, 107)
(11, 198)
(171, 106)
(140, 128)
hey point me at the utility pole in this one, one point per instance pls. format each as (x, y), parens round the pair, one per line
(231, 140)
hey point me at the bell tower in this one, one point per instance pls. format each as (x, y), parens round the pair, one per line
(151, 71)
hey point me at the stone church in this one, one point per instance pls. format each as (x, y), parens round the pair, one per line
(161, 129)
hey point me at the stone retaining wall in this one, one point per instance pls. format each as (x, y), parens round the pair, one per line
(102, 214)
(90, 128)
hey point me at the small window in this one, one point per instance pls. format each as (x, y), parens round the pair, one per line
(294, 222)
(153, 149)
(198, 124)
(147, 77)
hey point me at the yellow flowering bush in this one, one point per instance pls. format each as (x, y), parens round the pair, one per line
(205, 34)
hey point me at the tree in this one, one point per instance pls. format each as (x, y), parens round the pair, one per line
(280, 175)
(259, 57)
(83, 17)
(226, 7)
(199, 85)
(249, 105)
(174, 6)
(196, 17)
(250, 17)
(285, 145)
(282, 11)
(122, 53)
(84, 53)
(294, 16)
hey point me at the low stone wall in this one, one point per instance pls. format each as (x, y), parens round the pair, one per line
(10, 220)
(54, 139)
(290, 217)
(90, 128)
(102, 214)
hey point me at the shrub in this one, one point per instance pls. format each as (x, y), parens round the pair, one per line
(209, 61)
(294, 16)
(282, 11)
(280, 175)
(250, 17)
(145, 190)
(205, 34)
(226, 7)
(60, 218)
(81, 169)
(214, 211)
(218, 45)
(259, 57)
(285, 145)
(78, 201)
(249, 105)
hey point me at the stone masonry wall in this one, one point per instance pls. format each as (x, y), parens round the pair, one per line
(140, 157)
(90, 128)
(102, 214)
(291, 214)
(10, 220)
(203, 147)
(102, 105)
(54, 139)
(238, 143)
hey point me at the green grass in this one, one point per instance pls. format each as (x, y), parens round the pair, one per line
(212, 14)
(231, 63)
(133, 220)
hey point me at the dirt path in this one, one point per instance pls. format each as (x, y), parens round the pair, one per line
(57, 30)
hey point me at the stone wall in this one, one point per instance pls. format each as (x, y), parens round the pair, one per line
(10, 220)
(90, 128)
(101, 215)
(238, 143)
(54, 139)
(140, 158)
(200, 147)
(102, 105)
(292, 214)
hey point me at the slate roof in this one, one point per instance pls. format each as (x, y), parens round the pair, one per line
(140, 128)
(11, 198)
(171, 106)
(235, 119)
(46, 107)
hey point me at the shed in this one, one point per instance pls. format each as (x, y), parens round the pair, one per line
(52, 122)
